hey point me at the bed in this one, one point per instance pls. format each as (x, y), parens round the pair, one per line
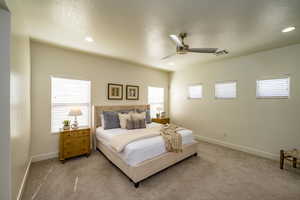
(143, 158)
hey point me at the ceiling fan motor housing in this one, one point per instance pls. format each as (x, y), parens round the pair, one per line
(182, 50)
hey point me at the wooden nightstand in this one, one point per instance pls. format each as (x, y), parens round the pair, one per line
(74, 142)
(161, 120)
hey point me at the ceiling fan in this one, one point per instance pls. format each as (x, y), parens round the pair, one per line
(182, 48)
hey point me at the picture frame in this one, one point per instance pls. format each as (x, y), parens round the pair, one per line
(132, 92)
(114, 91)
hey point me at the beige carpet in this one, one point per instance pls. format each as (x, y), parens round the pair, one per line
(217, 173)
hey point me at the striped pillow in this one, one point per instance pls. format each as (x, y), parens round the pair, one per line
(135, 124)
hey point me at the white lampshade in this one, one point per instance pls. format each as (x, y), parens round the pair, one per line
(75, 112)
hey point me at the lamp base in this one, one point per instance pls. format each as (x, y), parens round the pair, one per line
(75, 125)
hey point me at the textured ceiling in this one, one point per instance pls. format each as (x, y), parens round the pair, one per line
(137, 30)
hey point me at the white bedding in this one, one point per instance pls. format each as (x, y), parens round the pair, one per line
(141, 150)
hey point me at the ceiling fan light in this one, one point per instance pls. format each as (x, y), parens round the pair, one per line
(89, 39)
(176, 39)
(173, 36)
(288, 29)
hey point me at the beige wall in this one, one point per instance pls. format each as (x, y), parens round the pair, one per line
(258, 126)
(50, 61)
(5, 166)
(20, 97)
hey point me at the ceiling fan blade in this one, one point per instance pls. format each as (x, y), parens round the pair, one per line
(173, 54)
(177, 40)
(202, 50)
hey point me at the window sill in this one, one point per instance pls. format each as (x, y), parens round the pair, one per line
(272, 97)
(223, 98)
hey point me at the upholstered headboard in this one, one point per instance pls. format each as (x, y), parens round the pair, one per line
(97, 110)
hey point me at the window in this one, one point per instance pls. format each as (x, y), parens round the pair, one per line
(195, 91)
(156, 100)
(67, 94)
(273, 88)
(225, 90)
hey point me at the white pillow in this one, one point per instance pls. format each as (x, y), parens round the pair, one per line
(138, 116)
(123, 119)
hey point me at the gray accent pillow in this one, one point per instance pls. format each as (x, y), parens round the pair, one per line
(148, 117)
(111, 120)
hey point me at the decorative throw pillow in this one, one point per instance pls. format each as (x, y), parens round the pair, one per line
(148, 117)
(138, 116)
(111, 120)
(123, 119)
(130, 124)
(135, 124)
(142, 123)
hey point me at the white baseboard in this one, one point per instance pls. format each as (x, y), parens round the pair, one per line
(239, 147)
(44, 156)
(21, 190)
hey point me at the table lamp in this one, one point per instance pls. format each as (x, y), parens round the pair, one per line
(75, 112)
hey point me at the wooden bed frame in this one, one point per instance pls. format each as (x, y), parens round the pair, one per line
(147, 168)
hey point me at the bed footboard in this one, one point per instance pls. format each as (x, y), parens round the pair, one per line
(149, 167)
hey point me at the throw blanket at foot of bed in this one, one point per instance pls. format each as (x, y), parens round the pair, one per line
(173, 140)
(169, 133)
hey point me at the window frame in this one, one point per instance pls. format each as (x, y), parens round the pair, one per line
(195, 84)
(224, 98)
(274, 78)
(89, 106)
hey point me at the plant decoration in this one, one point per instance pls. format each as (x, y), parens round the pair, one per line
(66, 124)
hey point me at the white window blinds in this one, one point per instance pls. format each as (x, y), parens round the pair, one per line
(195, 91)
(67, 94)
(273, 88)
(226, 90)
(156, 100)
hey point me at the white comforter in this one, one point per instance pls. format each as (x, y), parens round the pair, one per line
(141, 150)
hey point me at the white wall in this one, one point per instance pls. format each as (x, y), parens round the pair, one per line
(20, 98)
(258, 126)
(50, 61)
(5, 186)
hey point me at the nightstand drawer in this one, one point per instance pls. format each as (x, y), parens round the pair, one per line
(83, 150)
(81, 133)
(76, 133)
(76, 140)
(75, 151)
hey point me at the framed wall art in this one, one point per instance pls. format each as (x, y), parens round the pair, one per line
(132, 92)
(114, 91)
